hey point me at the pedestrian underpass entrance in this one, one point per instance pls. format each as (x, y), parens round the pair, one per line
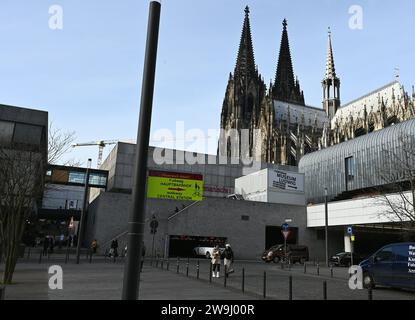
(184, 245)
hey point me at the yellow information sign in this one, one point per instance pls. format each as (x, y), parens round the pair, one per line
(175, 186)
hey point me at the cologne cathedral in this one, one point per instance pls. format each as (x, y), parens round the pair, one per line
(288, 127)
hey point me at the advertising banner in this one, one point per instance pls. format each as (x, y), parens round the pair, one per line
(175, 185)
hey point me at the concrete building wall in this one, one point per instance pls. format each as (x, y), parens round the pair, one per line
(259, 186)
(219, 178)
(108, 217)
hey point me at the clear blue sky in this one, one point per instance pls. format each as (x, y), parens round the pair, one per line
(88, 75)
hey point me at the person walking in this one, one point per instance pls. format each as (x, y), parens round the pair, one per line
(228, 261)
(94, 246)
(143, 254)
(45, 246)
(216, 262)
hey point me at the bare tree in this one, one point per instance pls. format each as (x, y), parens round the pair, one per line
(59, 144)
(397, 173)
(21, 185)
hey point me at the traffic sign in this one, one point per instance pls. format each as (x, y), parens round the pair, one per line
(350, 230)
(285, 227)
(286, 234)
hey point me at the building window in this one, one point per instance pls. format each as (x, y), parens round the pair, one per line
(245, 218)
(76, 177)
(350, 169)
(98, 179)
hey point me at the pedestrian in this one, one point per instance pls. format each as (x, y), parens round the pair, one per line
(216, 262)
(94, 246)
(45, 246)
(114, 248)
(51, 243)
(143, 254)
(228, 259)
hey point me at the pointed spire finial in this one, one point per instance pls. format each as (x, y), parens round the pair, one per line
(245, 63)
(330, 69)
(285, 24)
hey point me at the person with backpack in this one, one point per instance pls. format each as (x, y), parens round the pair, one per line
(228, 259)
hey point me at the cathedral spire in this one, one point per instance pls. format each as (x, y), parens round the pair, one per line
(330, 83)
(285, 88)
(330, 69)
(245, 63)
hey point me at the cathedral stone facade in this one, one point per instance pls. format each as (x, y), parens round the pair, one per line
(273, 124)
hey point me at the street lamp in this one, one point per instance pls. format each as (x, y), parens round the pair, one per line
(131, 282)
(326, 220)
(81, 220)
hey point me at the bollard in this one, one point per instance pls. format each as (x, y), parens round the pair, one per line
(210, 273)
(289, 264)
(28, 254)
(90, 257)
(168, 264)
(178, 264)
(243, 279)
(370, 294)
(225, 277)
(187, 268)
(162, 264)
(66, 257)
(197, 269)
(290, 288)
(318, 269)
(331, 271)
(324, 290)
(305, 267)
(2, 293)
(265, 285)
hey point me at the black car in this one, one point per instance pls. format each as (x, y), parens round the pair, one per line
(344, 259)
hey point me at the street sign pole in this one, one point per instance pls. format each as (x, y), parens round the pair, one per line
(83, 214)
(285, 229)
(131, 283)
(326, 228)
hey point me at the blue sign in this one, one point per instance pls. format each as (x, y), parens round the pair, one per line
(285, 227)
(350, 230)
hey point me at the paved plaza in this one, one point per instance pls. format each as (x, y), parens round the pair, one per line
(102, 279)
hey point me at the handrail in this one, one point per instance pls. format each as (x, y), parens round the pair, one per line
(180, 211)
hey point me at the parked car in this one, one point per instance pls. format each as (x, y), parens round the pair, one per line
(344, 259)
(295, 253)
(391, 266)
(205, 251)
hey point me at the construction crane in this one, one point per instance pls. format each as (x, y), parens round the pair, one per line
(101, 144)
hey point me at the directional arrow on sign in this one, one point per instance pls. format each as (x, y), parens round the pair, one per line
(176, 189)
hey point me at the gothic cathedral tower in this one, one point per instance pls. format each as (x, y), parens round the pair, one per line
(244, 94)
(330, 85)
(286, 88)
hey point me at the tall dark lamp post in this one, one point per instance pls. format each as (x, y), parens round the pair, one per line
(326, 220)
(131, 282)
(84, 207)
